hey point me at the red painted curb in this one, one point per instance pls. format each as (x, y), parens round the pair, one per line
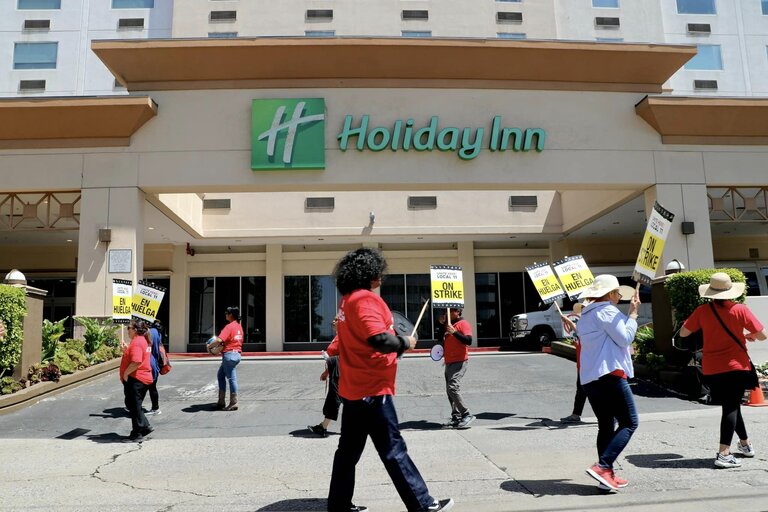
(200, 355)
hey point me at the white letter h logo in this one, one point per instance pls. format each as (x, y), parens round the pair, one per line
(291, 125)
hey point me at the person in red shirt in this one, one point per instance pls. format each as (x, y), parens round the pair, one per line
(725, 362)
(136, 376)
(457, 339)
(368, 352)
(232, 338)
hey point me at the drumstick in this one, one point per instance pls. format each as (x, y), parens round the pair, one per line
(415, 327)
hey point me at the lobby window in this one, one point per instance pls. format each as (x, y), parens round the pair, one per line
(764, 6)
(222, 35)
(510, 35)
(133, 4)
(310, 306)
(406, 293)
(39, 4)
(696, 7)
(611, 4)
(35, 55)
(707, 58)
(319, 33)
(416, 33)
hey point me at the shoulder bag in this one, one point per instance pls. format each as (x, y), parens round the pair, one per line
(752, 381)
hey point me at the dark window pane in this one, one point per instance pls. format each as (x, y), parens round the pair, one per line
(253, 308)
(512, 298)
(753, 286)
(324, 306)
(393, 292)
(487, 303)
(417, 290)
(227, 294)
(296, 308)
(200, 309)
(164, 312)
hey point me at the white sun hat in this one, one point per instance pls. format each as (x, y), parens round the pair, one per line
(602, 284)
(721, 287)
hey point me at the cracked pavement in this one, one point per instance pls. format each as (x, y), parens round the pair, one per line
(65, 453)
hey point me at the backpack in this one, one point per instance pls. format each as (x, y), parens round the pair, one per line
(163, 361)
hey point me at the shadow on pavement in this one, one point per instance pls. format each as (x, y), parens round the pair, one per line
(669, 460)
(304, 432)
(495, 416)
(109, 437)
(296, 504)
(113, 412)
(420, 425)
(74, 433)
(200, 408)
(550, 488)
(647, 389)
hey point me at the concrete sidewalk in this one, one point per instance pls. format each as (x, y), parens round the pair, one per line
(63, 453)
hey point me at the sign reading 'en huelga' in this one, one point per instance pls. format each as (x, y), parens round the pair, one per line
(447, 286)
(545, 282)
(574, 275)
(122, 293)
(146, 300)
(652, 248)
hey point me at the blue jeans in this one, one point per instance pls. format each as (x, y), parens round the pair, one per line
(375, 417)
(227, 371)
(612, 402)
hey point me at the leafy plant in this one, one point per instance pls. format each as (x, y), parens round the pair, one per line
(98, 333)
(655, 362)
(9, 385)
(52, 332)
(43, 372)
(70, 356)
(683, 289)
(643, 344)
(13, 309)
(105, 353)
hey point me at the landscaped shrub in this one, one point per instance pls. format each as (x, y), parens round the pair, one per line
(105, 353)
(43, 372)
(70, 356)
(52, 332)
(643, 344)
(9, 385)
(13, 308)
(683, 289)
(98, 333)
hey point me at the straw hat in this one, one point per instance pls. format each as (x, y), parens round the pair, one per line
(602, 284)
(721, 287)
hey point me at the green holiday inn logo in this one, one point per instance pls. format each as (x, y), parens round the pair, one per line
(288, 134)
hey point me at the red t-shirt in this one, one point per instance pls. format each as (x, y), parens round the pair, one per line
(362, 370)
(139, 351)
(232, 336)
(333, 348)
(721, 354)
(456, 351)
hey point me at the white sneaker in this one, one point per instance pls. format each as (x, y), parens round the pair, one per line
(727, 461)
(745, 449)
(153, 412)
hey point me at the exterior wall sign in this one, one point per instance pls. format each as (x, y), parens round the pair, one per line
(290, 134)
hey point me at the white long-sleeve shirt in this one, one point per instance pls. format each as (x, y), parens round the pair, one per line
(606, 336)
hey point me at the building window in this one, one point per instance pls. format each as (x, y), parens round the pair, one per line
(133, 4)
(35, 55)
(39, 4)
(510, 35)
(406, 293)
(696, 7)
(611, 4)
(707, 58)
(764, 5)
(222, 35)
(310, 306)
(319, 33)
(416, 33)
(510, 1)
(610, 39)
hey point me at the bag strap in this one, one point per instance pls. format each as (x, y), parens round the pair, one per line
(733, 336)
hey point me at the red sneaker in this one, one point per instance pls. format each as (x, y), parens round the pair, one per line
(620, 481)
(604, 476)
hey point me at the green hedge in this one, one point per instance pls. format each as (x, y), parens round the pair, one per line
(683, 289)
(13, 309)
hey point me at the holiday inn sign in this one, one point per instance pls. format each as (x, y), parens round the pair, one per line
(290, 134)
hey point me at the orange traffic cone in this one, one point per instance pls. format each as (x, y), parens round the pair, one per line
(756, 398)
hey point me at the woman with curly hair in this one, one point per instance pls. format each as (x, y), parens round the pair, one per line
(368, 351)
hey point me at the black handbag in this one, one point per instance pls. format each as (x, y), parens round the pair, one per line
(752, 380)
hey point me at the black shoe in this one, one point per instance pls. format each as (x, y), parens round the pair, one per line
(358, 508)
(322, 432)
(133, 438)
(439, 506)
(147, 431)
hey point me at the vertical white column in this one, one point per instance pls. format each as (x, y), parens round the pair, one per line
(275, 298)
(179, 301)
(466, 259)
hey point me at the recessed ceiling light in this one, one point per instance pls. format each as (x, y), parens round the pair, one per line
(69, 239)
(616, 223)
(151, 228)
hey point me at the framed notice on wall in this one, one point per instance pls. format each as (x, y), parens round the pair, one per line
(120, 261)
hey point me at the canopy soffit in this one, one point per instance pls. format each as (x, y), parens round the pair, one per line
(707, 120)
(182, 64)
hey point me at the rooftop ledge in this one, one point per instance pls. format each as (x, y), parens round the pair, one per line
(72, 122)
(707, 120)
(276, 62)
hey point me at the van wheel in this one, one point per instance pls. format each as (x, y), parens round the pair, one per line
(543, 336)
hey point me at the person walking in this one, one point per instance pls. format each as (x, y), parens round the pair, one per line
(157, 363)
(331, 378)
(368, 352)
(136, 376)
(725, 361)
(580, 399)
(457, 339)
(232, 338)
(606, 336)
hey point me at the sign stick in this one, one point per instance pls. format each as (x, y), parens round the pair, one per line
(416, 327)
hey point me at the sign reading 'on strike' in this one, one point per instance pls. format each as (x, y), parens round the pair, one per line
(447, 286)
(653, 244)
(146, 300)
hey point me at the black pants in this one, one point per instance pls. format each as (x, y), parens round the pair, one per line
(727, 389)
(580, 399)
(154, 396)
(332, 400)
(135, 391)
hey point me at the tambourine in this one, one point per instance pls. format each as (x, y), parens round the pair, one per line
(214, 346)
(437, 352)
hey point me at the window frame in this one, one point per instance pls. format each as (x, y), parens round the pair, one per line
(694, 59)
(27, 65)
(112, 4)
(713, 13)
(617, 6)
(20, 8)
